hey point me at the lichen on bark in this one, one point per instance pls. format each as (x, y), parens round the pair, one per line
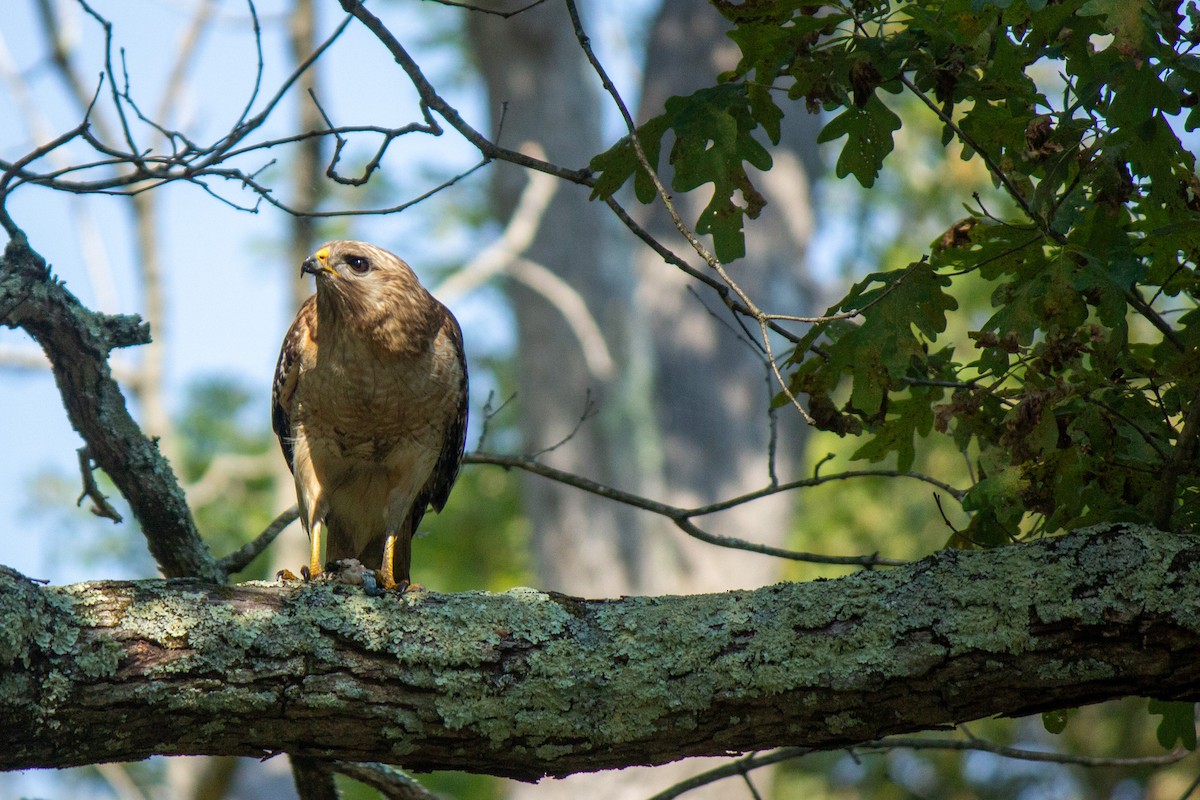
(526, 683)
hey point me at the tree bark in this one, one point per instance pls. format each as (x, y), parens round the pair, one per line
(526, 684)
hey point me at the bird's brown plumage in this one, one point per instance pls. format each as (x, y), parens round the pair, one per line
(370, 406)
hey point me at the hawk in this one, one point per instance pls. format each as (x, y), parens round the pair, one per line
(370, 406)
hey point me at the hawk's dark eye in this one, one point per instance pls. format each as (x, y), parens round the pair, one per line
(358, 264)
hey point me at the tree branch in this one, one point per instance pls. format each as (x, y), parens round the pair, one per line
(77, 342)
(526, 684)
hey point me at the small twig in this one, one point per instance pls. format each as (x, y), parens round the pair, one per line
(489, 412)
(1181, 457)
(1190, 790)
(1020, 754)
(682, 517)
(744, 765)
(493, 12)
(740, 766)
(100, 505)
(750, 785)
(589, 411)
(705, 254)
(389, 781)
(239, 559)
(429, 95)
(937, 499)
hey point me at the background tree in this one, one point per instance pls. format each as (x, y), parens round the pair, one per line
(1082, 392)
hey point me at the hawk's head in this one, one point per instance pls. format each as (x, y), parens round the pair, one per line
(359, 281)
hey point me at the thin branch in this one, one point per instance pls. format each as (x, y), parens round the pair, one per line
(1182, 457)
(737, 767)
(239, 559)
(100, 505)
(704, 253)
(489, 412)
(482, 10)
(489, 149)
(682, 517)
(1191, 789)
(742, 766)
(1021, 754)
(389, 781)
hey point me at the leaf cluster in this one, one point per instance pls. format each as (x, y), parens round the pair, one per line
(1078, 402)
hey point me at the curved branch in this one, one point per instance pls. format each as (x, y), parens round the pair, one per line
(682, 517)
(77, 342)
(430, 97)
(526, 684)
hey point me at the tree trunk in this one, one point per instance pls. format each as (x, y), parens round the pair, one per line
(542, 91)
(712, 394)
(687, 421)
(527, 684)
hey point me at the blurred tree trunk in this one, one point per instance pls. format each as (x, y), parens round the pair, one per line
(694, 427)
(712, 390)
(542, 92)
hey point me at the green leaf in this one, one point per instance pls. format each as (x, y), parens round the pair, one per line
(869, 132)
(615, 165)
(1178, 723)
(714, 141)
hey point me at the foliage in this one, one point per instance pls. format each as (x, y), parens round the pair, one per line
(1078, 401)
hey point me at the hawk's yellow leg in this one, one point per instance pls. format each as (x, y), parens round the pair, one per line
(315, 540)
(387, 576)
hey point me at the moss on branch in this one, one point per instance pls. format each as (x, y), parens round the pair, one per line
(526, 683)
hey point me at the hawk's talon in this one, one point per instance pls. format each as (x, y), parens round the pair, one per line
(286, 575)
(402, 588)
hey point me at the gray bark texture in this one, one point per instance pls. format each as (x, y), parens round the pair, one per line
(526, 684)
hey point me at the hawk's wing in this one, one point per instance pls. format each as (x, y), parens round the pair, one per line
(437, 489)
(300, 336)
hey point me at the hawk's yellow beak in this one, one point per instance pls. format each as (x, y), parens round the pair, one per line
(316, 263)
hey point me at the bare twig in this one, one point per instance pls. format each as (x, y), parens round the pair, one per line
(239, 559)
(430, 97)
(702, 251)
(1182, 456)
(389, 781)
(682, 517)
(743, 766)
(100, 505)
(492, 11)
(589, 411)
(489, 412)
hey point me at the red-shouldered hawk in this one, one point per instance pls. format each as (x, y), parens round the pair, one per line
(370, 407)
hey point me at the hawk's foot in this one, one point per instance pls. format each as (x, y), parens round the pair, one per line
(286, 575)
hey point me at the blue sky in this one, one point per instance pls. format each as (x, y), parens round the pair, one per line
(227, 301)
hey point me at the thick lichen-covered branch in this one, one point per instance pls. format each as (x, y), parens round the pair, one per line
(527, 684)
(77, 342)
